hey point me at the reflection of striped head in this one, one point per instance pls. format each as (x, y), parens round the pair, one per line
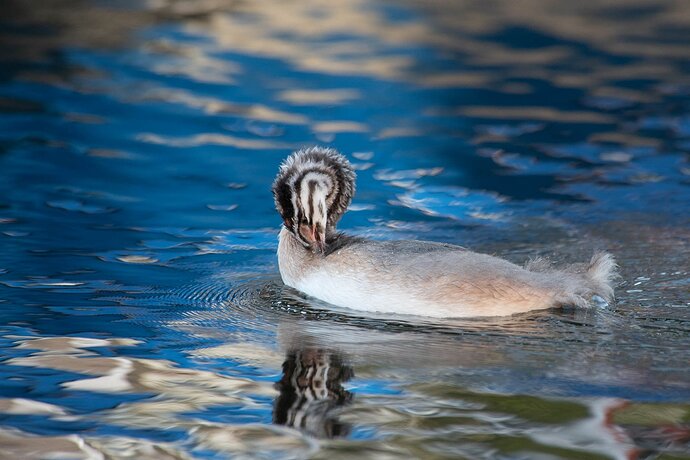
(313, 189)
(311, 388)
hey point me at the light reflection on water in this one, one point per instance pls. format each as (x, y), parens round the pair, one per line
(142, 314)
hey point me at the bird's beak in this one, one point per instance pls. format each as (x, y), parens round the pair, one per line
(315, 236)
(318, 239)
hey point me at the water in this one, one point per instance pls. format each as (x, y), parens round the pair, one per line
(141, 311)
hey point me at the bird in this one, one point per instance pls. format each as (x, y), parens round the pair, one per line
(313, 189)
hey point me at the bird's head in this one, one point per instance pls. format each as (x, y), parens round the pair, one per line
(313, 189)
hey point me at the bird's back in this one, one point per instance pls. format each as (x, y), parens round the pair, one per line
(426, 278)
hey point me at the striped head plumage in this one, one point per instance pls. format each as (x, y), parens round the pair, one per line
(313, 189)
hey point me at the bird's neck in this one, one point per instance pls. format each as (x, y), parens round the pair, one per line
(294, 259)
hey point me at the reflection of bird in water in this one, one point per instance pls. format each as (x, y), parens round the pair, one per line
(313, 189)
(310, 388)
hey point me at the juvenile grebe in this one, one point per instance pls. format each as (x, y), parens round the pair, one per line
(312, 191)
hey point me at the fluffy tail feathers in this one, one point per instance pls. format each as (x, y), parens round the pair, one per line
(580, 284)
(601, 273)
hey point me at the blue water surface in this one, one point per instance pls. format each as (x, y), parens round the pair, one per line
(141, 310)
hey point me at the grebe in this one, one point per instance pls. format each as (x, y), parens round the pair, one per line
(312, 191)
